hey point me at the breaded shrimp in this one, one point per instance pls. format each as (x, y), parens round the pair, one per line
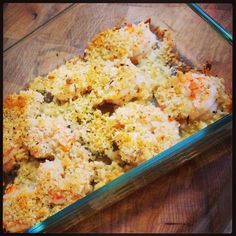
(193, 96)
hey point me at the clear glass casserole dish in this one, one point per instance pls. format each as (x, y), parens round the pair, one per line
(193, 38)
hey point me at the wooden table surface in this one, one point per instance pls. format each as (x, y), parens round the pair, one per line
(196, 197)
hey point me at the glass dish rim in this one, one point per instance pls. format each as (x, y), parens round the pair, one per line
(132, 173)
(39, 227)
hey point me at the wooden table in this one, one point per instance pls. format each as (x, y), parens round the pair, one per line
(196, 197)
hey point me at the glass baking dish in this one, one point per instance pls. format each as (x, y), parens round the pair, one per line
(199, 39)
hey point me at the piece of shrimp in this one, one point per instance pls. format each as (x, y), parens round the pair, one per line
(57, 197)
(16, 226)
(132, 41)
(14, 198)
(48, 134)
(142, 40)
(8, 160)
(191, 96)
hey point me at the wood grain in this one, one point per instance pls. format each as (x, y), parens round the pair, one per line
(20, 19)
(196, 197)
(190, 199)
(222, 13)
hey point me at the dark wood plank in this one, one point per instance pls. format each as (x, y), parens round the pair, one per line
(20, 19)
(192, 198)
(222, 13)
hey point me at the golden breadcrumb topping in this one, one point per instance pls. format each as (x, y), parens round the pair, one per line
(97, 116)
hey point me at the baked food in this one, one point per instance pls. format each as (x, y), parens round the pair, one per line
(95, 117)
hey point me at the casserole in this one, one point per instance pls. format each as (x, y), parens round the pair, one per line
(117, 196)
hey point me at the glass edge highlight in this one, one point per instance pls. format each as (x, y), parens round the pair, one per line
(155, 160)
(215, 25)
